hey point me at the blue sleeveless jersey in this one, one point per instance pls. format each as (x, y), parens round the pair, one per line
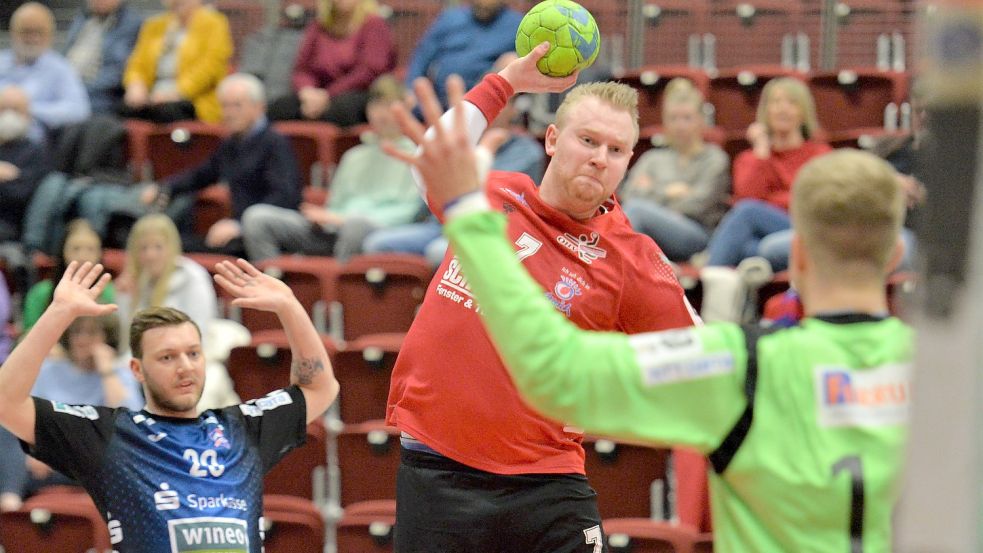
(170, 485)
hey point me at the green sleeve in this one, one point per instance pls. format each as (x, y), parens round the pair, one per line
(682, 387)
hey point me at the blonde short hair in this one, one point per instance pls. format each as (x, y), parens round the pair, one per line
(799, 93)
(331, 24)
(681, 91)
(848, 208)
(617, 95)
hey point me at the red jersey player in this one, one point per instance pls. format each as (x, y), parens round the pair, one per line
(482, 472)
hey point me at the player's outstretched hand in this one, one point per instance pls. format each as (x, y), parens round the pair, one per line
(79, 289)
(445, 158)
(253, 288)
(524, 76)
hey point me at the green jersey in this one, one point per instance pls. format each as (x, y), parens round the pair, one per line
(805, 427)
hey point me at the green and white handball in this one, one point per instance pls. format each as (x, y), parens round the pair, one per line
(569, 28)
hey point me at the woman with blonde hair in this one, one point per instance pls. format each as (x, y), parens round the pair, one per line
(342, 52)
(677, 195)
(156, 274)
(782, 141)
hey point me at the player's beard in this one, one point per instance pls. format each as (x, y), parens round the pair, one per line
(182, 405)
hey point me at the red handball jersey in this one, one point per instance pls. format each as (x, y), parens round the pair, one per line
(449, 387)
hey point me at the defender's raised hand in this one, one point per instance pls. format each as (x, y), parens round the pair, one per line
(253, 288)
(79, 288)
(445, 158)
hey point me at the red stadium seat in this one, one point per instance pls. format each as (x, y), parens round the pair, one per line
(368, 457)
(409, 20)
(669, 24)
(752, 35)
(853, 101)
(314, 144)
(63, 522)
(302, 472)
(651, 81)
(363, 369)
(380, 293)
(212, 204)
(179, 146)
(312, 279)
(292, 524)
(623, 476)
(264, 365)
(367, 530)
(735, 94)
(642, 535)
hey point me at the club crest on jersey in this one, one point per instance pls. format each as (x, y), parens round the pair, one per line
(870, 397)
(584, 246)
(519, 197)
(563, 292)
(217, 437)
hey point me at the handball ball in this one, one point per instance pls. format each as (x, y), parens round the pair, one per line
(569, 28)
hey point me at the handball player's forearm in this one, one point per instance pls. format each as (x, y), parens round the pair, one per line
(310, 368)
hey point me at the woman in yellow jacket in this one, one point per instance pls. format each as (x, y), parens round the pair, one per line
(177, 63)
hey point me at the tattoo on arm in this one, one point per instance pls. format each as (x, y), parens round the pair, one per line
(304, 370)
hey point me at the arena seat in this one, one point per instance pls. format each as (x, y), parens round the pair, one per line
(176, 147)
(852, 102)
(264, 365)
(291, 524)
(368, 530)
(623, 476)
(301, 473)
(669, 24)
(368, 457)
(313, 281)
(744, 34)
(379, 293)
(651, 81)
(63, 522)
(314, 144)
(642, 535)
(363, 369)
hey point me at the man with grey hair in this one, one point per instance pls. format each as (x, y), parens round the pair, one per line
(255, 162)
(57, 96)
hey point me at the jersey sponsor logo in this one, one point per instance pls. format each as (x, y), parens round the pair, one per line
(677, 356)
(208, 535)
(519, 196)
(872, 397)
(272, 400)
(705, 366)
(586, 247)
(81, 411)
(454, 286)
(204, 502)
(167, 499)
(217, 437)
(563, 292)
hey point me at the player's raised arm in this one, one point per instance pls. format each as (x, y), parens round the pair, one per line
(75, 296)
(310, 368)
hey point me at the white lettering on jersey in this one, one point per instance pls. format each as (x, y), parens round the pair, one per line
(81, 411)
(878, 396)
(255, 407)
(594, 537)
(205, 464)
(208, 534)
(167, 499)
(677, 356)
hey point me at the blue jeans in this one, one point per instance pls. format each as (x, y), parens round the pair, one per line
(416, 238)
(679, 236)
(776, 247)
(740, 231)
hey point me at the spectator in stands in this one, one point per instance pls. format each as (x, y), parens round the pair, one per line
(156, 274)
(255, 162)
(514, 150)
(343, 51)
(677, 195)
(98, 44)
(23, 162)
(56, 93)
(89, 373)
(464, 40)
(81, 244)
(179, 59)
(782, 141)
(369, 190)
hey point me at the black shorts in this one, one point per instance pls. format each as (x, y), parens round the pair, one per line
(446, 507)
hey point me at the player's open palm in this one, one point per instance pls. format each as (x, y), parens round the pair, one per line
(524, 76)
(79, 289)
(251, 287)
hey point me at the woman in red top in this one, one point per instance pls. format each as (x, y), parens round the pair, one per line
(341, 54)
(781, 143)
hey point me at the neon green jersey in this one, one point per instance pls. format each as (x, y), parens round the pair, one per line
(814, 466)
